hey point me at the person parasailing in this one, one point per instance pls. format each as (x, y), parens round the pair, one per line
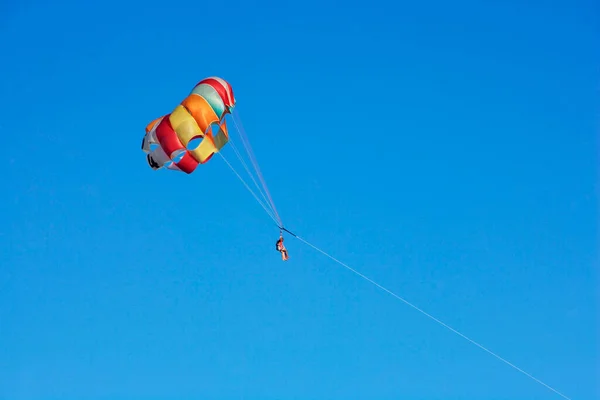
(281, 248)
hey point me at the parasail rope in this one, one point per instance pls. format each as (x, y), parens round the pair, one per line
(398, 297)
(277, 220)
(429, 316)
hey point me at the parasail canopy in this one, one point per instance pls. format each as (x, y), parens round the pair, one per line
(194, 131)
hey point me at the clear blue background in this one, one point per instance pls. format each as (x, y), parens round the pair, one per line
(448, 150)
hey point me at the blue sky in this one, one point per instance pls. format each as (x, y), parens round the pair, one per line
(448, 150)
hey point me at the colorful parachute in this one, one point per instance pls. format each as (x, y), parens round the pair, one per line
(167, 142)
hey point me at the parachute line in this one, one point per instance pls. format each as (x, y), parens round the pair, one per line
(429, 316)
(240, 128)
(269, 213)
(239, 156)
